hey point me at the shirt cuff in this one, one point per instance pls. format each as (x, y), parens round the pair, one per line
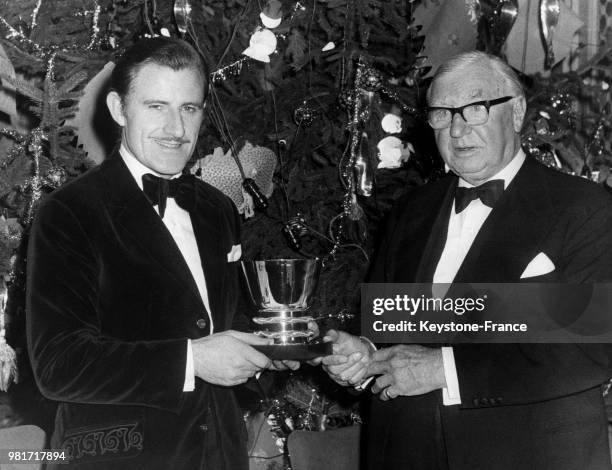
(189, 385)
(363, 385)
(450, 394)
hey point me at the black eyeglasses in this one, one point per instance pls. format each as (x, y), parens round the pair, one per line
(474, 114)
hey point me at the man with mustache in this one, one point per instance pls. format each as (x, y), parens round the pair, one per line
(498, 217)
(133, 287)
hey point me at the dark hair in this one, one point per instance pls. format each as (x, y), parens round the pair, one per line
(168, 52)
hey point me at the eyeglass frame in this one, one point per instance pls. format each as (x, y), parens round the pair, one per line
(459, 110)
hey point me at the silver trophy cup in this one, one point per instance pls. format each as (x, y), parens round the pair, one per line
(283, 291)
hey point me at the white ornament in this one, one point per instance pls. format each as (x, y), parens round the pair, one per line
(261, 45)
(392, 152)
(269, 22)
(272, 14)
(391, 123)
(329, 46)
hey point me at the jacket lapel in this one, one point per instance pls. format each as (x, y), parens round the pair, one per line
(207, 222)
(512, 234)
(139, 225)
(438, 234)
(420, 233)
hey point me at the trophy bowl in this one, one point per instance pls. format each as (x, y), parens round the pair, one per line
(283, 291)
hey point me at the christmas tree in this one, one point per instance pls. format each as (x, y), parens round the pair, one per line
(313, 125)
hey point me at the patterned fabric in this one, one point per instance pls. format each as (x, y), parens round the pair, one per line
(125, 439)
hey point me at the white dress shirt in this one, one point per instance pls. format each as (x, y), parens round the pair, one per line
(462, 230)
(178, 223)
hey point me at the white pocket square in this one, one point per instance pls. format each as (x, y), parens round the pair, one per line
(538, 266)
(234, 254)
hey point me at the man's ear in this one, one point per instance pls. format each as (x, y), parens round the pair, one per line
(518, 113)
(115, 107)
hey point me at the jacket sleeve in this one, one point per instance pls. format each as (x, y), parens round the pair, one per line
(72, 360)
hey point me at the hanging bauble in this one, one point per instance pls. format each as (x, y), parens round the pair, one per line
(304, 115)
(549, 18)
(371, 80)
(294, 229)
(346, 99)
(501, 22)
(293, 237)
(261, 45)
(298, 224)
(272, 15)
(541, 126)
(391, 123)
(250, 186)
(55, 177)
(392, 152)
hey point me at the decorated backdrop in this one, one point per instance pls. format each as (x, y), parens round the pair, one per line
(314, 127)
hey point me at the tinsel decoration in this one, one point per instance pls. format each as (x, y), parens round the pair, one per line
(8, 358)
(371, 79)
(55, 177)
(304, 115)
(364, 173)
(55, 103)
(95, 28)
(35, 185)
(35, 15)
(348, 170)
(342, 318)
(20, 36)
(346, 99)
(23, 41)
(228, 71)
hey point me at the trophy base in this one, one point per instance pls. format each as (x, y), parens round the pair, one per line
(296, 351)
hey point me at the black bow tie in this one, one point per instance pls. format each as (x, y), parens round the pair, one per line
(489, 193)
(158, 189)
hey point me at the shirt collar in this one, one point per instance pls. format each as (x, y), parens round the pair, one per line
(507, 173)
(136, 168)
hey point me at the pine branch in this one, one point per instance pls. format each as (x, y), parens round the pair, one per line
(24, 88)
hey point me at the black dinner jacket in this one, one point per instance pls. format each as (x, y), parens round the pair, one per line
(522, 406)
(110, 304)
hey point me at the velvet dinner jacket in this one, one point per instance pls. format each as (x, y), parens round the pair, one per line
(111, 303)
(529, 406)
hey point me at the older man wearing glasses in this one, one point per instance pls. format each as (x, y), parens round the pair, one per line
(497, 212)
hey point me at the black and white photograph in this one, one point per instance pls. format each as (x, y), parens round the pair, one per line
(306, 234)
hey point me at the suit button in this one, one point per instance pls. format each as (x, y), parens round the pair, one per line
(201, 323)
(203, 427)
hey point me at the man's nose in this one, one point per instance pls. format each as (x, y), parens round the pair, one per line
(459, 127)
(174, 125)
